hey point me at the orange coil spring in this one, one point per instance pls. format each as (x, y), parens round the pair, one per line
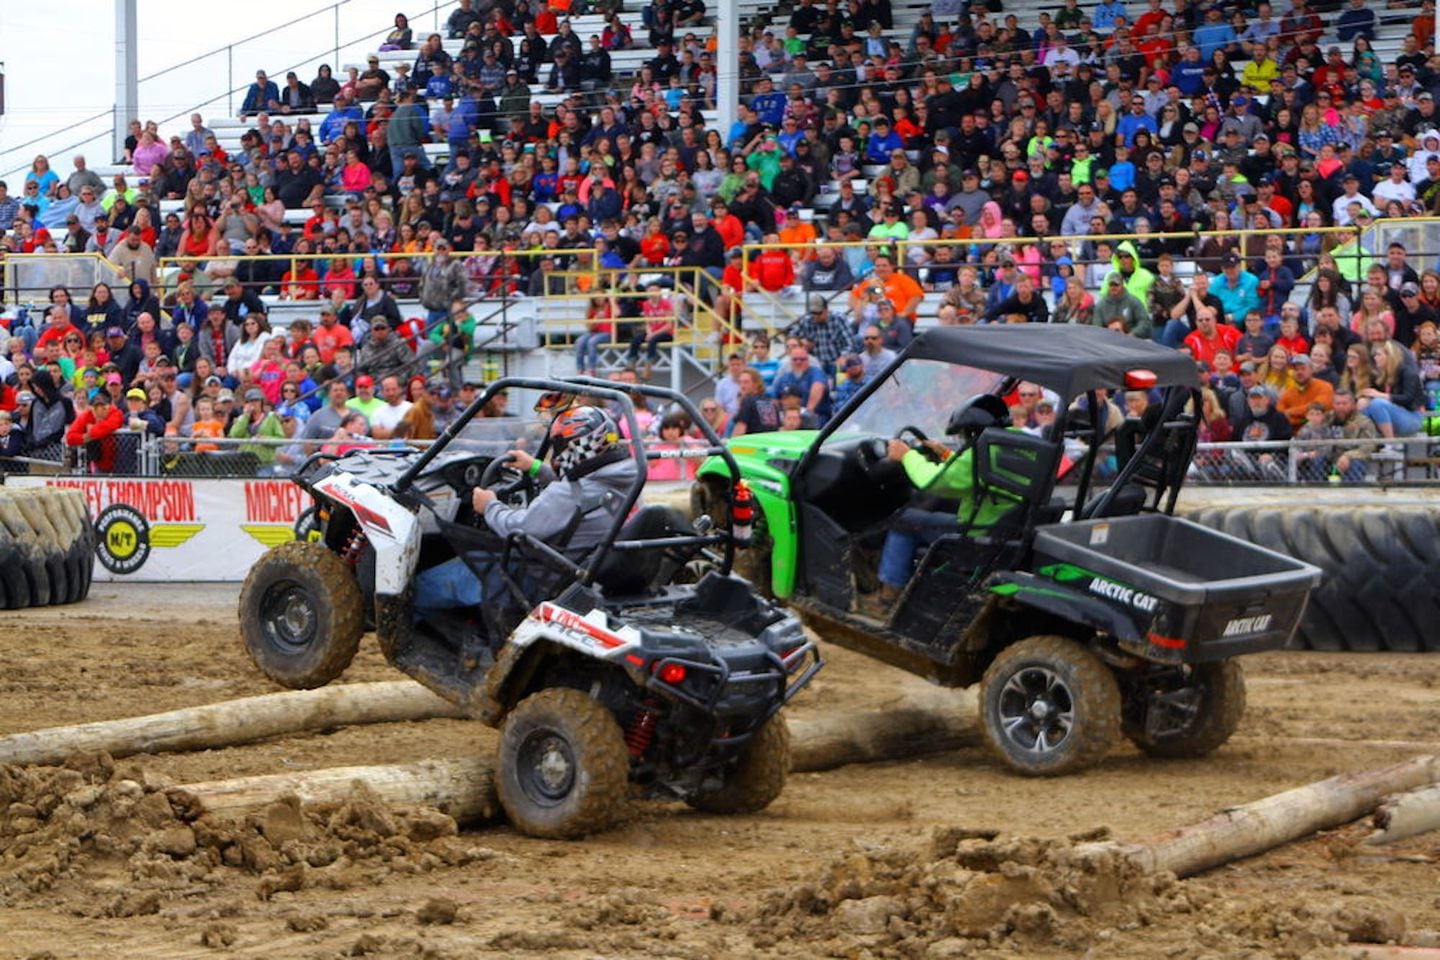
(641, 732)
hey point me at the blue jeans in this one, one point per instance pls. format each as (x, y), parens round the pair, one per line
(1173, 333)
(587, 351)
(651, 345)
(446, 586)
(1407, 423)
(910, 530)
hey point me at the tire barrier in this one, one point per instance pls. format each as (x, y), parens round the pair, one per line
(47, 547)
(1381, 589)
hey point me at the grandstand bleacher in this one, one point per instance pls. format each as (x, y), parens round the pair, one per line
(553, 320)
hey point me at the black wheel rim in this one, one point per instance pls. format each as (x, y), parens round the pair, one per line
(289, 617)
(1037, 710)
(545, 767)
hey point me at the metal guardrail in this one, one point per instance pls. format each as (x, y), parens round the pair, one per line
(145, 455)
(1384, 461)
(1412, 461)
(29, 278)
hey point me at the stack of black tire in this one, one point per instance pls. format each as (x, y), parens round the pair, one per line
(1381, 589)
(47, 547)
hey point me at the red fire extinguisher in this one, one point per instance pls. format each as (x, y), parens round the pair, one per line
(742, 514)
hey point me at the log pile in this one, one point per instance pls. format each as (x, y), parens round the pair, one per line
(231, 722)
(1404, 798)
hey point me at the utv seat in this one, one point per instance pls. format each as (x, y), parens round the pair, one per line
(1127, 502)
(631, 572)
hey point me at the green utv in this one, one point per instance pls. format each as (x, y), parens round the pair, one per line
(1063, 585)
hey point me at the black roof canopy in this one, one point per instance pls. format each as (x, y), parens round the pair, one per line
(1066, 358)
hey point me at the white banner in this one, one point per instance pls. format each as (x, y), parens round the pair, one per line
(167, 530)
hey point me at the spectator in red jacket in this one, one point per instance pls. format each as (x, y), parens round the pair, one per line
(57, 324)
(95, 431)
(774, 270)
(1210, 336)
(729, 226)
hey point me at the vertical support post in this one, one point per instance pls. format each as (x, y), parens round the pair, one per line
(230, 80)
(335, 58)
(127, 73)
(727, 66)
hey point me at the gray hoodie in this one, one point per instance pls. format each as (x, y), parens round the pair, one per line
(602, 492)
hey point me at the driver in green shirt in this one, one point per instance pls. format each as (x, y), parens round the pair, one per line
(951, 478)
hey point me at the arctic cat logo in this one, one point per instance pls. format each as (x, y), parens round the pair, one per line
(1243, 625)
(1120, 593)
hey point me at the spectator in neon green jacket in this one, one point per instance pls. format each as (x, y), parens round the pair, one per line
(1137, 280)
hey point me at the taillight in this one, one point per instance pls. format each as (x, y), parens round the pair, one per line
(672, 673)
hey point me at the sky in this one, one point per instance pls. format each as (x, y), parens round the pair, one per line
(50, 86)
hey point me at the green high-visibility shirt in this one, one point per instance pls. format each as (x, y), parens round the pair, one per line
(952, 480)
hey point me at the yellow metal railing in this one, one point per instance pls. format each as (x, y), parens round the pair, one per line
(701, 330)
(899, 247)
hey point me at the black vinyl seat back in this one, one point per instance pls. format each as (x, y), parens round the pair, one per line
(631, 572)
(1018, 464)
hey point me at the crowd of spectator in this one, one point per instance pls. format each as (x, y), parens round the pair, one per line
(94, 372)
(1115, 165)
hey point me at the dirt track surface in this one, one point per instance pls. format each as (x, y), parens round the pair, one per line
(874, 860)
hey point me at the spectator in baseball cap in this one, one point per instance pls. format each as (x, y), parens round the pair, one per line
(853, 378)
(139, 416)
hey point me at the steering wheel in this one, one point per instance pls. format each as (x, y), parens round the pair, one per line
(511, 485)
(921, 443)
(875, 451)
(919, 435)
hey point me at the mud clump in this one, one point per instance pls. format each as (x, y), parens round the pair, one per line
(975, 893)
(122, 844)
(437, 910)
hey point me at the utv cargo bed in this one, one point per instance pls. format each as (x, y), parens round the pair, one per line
(1210, 595)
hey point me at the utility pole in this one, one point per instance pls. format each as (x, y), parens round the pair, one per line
(727, 66)
(127, 73)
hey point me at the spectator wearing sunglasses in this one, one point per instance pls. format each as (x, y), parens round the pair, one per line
(58, 327)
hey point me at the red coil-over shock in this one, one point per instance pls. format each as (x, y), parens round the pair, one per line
(350, 553)
(641, 730)
(742, 514)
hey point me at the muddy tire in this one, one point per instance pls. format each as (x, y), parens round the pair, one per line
(563, 770)
(1199, 714)
(757, 776)
(752, 563)
(1381, 589)
(1049, 707)
(47, 547)
(301, 615)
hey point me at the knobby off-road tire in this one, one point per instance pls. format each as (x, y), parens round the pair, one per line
(757, 776)
(1381, 589)
(1219, 703)
(564, 770)
(301, 615)
(1049, 707)
(47, 547)
(752, 563)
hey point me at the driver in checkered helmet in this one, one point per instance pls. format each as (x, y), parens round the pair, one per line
(582, 491)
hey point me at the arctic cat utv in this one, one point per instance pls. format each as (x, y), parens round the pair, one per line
(1070, 593)
(638, 666)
